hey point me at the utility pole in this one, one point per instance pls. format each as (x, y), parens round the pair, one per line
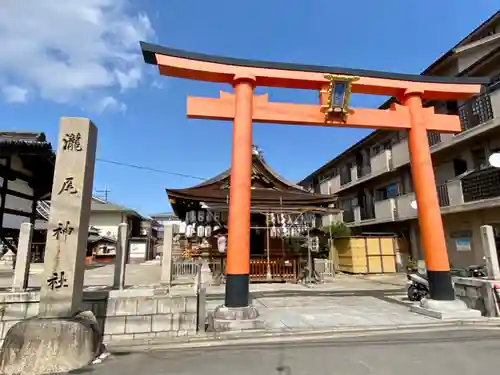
(105, 191)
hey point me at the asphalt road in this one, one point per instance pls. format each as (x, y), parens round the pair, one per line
(446, 352)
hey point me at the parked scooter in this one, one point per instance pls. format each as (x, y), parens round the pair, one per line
(417, 286)
(477, 271)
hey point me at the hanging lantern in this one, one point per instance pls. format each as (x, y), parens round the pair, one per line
(182, 227)
(200, 231)
(274, 232)
(189, 231)
(222, 244)
(191, 216)
(201, 216)
(208, 231)
(337, 97)
(284, 231)
(314, 244)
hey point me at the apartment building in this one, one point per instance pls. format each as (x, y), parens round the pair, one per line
(373, 180)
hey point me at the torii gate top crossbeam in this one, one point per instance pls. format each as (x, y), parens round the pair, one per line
(201, 67)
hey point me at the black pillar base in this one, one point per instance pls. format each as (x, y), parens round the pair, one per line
(440, 286)
(237, 290)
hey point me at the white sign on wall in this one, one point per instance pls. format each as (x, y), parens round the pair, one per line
(137, 250)
(463, 244)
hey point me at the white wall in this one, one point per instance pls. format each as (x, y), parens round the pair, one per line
(168, 222)
(106, 222)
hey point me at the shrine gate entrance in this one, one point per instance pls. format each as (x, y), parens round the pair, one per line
(334, 86)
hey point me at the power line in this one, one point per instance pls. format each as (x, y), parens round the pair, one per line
(141, 167)
(149, 169)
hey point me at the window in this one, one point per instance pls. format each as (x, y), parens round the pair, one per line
(479, 158)
(376, 150)
(388, 192)
(452, 107)
(459, 166)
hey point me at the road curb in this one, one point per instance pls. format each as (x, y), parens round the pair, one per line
(259, 337)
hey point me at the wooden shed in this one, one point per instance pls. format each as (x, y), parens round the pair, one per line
(367, 254)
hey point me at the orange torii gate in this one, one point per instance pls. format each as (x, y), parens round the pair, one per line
(334, 86)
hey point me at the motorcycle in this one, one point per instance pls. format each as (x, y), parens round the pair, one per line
(417, 287)
(477, 271)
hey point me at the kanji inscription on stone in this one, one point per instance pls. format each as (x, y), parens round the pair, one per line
(57, 281)
(68, 186)
(62, 230)
(72, 142)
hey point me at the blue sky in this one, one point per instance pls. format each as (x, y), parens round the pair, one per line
(85, 63)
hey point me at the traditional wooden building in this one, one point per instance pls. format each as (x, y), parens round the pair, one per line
(282, 214)
(26, 173)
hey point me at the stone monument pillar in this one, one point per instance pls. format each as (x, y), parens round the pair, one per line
(121, 256)
(166, 256)
(490, 252)
(67, 234)
(61, 338)
(23, 259)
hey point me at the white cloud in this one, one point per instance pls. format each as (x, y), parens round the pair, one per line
(157, 84)
(15, 94)
(110, 103)
(68, 51)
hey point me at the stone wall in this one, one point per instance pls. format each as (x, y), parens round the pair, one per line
(127, 314)
(478, 294)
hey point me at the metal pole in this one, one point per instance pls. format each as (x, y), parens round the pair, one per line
(309, 260)
(268, 276)
(331, 246)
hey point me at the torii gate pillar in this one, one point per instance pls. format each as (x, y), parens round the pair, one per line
(238, 247)
(429, 212)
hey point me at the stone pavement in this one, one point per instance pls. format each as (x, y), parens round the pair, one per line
(346, 301)
(349, 301)
(451, 352)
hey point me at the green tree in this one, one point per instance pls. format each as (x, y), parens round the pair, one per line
(337, 230)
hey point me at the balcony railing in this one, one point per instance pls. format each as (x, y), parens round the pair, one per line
(334, 184)
(476, 111)
(483, 184)
(404, 209)
(443, 196)
(385, 209)
(381, 162)
(400, 155)
(434, 138)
